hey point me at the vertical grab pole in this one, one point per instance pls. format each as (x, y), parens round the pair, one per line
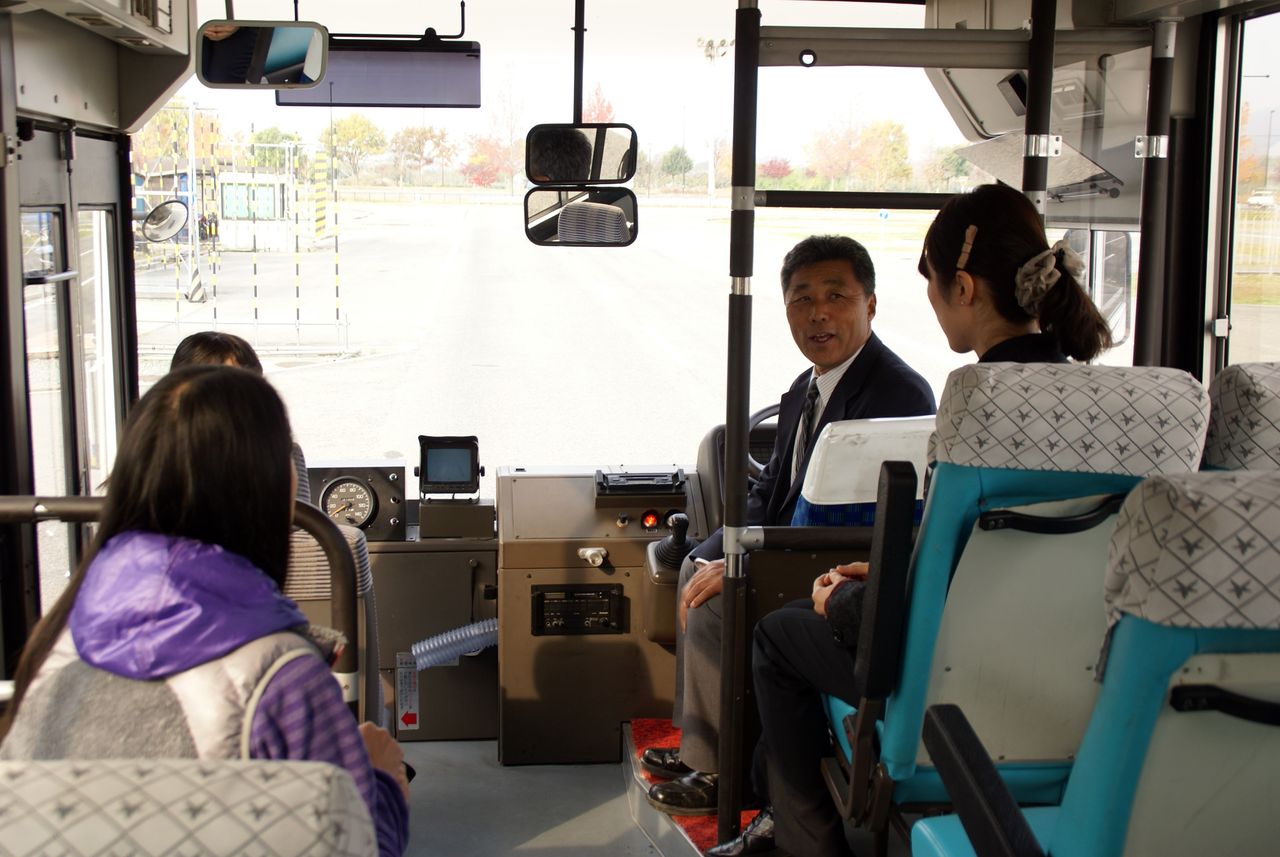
(579, 48)
(1039, 145)
(1150, 316)
(734, 598)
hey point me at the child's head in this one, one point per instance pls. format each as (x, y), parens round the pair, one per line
(211, 346)
(207, 454)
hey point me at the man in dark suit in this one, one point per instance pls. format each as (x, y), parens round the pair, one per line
(828, 287)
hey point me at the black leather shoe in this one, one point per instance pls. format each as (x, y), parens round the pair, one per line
(664, 762)
(755, 838)
(692, 794)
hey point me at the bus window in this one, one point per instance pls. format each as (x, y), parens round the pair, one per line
(375, 250)
(1111, 260)
(94, 288)
(42, 257)
(1255, 258)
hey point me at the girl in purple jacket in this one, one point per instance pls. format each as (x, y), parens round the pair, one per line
(179, 591)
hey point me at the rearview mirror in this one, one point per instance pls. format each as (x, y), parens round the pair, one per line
(261, 54)
(585, 154)
(579, 216)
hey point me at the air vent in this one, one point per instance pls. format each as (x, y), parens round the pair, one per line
(145, 9)
(157, 13)
(91, 20)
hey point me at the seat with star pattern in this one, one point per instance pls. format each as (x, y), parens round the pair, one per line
(1182, 748)
(162, 807)
(999, 603)
(1244, 418)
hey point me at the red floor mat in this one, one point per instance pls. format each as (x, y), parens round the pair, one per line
(701, 829)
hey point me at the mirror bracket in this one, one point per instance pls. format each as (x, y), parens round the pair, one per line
(428, 36)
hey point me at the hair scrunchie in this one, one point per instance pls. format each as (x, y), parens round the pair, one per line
(1041, 272)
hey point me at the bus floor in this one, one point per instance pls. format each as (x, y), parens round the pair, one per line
(686, 836)
(464, 803)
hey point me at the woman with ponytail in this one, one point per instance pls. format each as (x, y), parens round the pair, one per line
(1000, 291)
(998, 288)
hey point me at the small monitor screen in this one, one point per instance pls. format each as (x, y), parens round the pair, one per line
(449, 465)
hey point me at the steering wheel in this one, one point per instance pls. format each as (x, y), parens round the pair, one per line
(755, 468)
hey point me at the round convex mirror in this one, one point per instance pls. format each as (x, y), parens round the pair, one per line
(165, 220)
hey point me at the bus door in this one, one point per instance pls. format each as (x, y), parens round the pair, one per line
(69, 185)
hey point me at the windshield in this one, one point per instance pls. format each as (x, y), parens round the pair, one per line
(376, 258)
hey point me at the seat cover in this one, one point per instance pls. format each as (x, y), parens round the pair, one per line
(1063, 416)
(1244, 421)
(182, 806)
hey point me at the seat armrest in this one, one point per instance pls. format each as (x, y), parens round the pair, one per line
(884, 603)
(995, 825)
(807, 538)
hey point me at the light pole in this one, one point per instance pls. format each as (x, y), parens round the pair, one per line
(1266, 155)
(713, 50)
(1266, 160)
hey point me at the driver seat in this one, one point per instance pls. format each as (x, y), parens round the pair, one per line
(710, 463)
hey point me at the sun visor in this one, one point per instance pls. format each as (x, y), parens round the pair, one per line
(370, 72)
(1098, 108)
(1071, 174)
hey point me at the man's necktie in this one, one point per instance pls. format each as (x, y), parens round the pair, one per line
(805, 429)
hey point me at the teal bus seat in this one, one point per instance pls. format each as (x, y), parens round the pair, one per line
(840, 490)
(1182, 751)
(999, 600)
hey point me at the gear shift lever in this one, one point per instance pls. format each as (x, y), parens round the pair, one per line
(672, 550)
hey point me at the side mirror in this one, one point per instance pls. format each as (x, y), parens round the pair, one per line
(587, 154)
(579, 216)
(261, 54)
(165, 220)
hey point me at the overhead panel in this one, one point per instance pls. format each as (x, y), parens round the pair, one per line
(1099, 94)
(97, 63)
(149, 26)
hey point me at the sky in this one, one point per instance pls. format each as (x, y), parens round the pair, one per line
(1260, 88)
(646, 59)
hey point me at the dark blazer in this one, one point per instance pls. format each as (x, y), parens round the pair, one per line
(877, 384)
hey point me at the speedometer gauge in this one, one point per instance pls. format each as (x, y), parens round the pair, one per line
(349, 501)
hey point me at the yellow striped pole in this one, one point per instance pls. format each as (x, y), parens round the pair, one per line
(320, 192)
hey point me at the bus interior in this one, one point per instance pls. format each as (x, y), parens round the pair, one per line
(369, 210)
